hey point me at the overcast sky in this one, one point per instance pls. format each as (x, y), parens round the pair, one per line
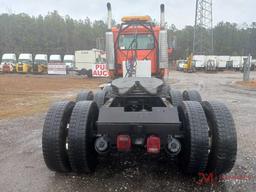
(178, 12)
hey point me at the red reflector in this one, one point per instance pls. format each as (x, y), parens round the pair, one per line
(123, 142)
(153, 144)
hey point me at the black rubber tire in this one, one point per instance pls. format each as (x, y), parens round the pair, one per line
(55, 135)
(107, 89)
(83, 72)
(85, 96)
(195, 144)
(82, 133)
(100, 98)
(192, 95)
(175, 97)
(89, 73)
(223, 152)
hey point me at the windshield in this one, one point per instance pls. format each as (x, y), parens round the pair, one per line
(8, 61)
(55, 61)
(139, 42)
(68, 61)
(40, 62)
(25, 61)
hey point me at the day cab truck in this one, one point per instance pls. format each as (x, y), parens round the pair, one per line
(69, 60)
(25, 63)
(139, 112)
(55, 59)
(40, 63)
(8, 63)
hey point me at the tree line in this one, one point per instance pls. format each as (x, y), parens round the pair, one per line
(229, 39)
(54, 34)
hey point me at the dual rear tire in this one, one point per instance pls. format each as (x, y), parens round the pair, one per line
(176, 97)
(68, 137)
(209, 143)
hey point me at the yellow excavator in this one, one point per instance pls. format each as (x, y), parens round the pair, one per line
(188, 66)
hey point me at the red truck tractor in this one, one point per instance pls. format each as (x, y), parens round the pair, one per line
(138, 110)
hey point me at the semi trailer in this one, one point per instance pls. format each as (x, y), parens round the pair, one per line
(135, 113)
(85, 59)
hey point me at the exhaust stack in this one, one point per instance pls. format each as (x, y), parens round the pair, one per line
(109, 16)
(163, 45)
(162, 17)
(110, 42)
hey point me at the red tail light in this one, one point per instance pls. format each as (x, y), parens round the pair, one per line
(153, 145)
(123, 143)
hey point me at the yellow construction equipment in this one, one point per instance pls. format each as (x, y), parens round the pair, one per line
(188, 66)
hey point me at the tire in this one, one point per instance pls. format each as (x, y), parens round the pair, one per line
(175, 97)
(223, 152)
(82, 133)
(100, 98)
(89, 73)
(55, 135)
(107, 89)
(192, 95)
(85, 96)
(83, 72)
(195, 144)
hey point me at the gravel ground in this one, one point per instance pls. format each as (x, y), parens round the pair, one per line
(22, 167)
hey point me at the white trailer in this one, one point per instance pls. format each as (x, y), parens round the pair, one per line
(8, 62)
(222, 62)
(199, 61)
(85, 59)
(211, 63)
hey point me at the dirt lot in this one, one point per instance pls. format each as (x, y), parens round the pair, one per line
(26, 95)
(21, 162)
(249, 84)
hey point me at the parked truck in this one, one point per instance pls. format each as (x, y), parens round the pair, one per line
(40, 63)
(86, 58)
(136, 113)
(69, 61)
(25, 63)
(8, 63)
(55, 59)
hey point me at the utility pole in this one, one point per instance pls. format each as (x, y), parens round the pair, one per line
(203, 29)
(247, 69)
